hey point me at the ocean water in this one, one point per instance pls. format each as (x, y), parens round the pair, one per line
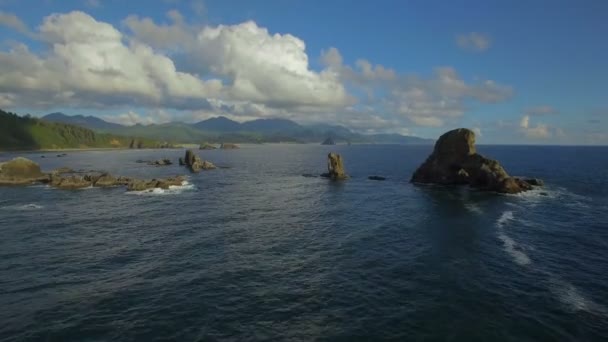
(258, 252)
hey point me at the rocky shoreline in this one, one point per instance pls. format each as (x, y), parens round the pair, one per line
(454, 161)
(21, 171)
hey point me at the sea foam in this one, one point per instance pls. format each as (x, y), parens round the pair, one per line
(509, 245)
(23, 207)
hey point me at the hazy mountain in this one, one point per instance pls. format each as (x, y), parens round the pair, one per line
(222, 129)
(90, 122)
(271, 126)
(219, 124)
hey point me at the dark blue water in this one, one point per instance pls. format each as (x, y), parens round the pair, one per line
(258, 252)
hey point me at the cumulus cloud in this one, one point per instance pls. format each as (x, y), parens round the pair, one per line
(241, 71)
(89, 65)
(169, 36)
(474, 41)
(539, 131)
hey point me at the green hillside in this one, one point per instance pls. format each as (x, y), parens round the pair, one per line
(27, 133)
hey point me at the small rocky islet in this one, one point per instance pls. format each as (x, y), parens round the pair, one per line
(454, 161)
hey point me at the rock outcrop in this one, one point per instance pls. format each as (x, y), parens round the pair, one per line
(455, 161)
(376, 178)
(328, 141)
(160, 162)
(207, 146)
(195, 163)
(335, 167)
(70, 182)
(142, 185)
(20, 171)
(229, 146)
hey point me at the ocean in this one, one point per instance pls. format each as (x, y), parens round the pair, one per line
(256, 251)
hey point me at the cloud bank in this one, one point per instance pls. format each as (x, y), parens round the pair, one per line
(235, 70)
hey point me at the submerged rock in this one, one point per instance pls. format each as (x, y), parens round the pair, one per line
(335, 167)
(534, 181)
(206, 146)
(142, 185)
(160, 162)
(455, 161)
(229, 146)
(20, 171)
(377, 178)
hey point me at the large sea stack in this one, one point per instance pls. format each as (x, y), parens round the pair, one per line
(456, 161)
(335, 167)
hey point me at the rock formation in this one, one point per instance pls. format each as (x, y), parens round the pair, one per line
(328, 141)
(20, 171)
(377, 178)
(142, 185)
(335, 167)
(160, 162)
(70, 182)
(455, 161)
(206, 146)
(229, 146)
(195, 163)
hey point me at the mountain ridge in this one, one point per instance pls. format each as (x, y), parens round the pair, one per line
(220, 129)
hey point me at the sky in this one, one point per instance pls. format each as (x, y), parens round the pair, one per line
(516, 72)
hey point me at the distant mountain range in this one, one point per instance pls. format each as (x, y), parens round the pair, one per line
(220, 129)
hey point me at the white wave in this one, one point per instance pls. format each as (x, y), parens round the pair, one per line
(504, 218)
(173, 190)
(509, 245)
(567, 197)
(474, 208)
(571, 296)
(24, 207)
(512, 248)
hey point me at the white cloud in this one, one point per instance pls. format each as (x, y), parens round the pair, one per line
(477, 131)
(89, 65)
(174, 36)
(474, 41)
(130, 118)
(241, 71)
(13, 22)
(540, 131)
(266, 68)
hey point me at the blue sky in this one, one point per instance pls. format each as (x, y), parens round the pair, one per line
(515, 71)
